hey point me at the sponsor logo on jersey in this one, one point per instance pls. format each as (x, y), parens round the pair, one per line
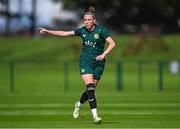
(88, 43)
(96, 36)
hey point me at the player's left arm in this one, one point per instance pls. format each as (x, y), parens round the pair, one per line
(111, 45)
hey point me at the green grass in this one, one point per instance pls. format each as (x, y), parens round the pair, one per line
(39, 76)
(63, 48)
(39, 99)
(118, 110)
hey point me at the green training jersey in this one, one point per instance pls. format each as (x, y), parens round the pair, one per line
(93, 41)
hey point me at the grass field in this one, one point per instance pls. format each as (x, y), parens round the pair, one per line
(63, 48)
(39, 99)
(118, 110)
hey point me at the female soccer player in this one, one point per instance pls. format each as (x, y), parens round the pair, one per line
(92, 58)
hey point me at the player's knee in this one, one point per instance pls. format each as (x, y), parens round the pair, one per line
(90, 90)
(90, 86)
(91, 95)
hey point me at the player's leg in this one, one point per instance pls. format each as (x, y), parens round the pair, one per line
(89, 81)
(87, 76)
(98, 71)
(84, 96)
(95, 82)
(89, 94)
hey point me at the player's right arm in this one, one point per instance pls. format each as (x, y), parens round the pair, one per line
(57, 33)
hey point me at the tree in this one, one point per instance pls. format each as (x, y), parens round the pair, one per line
(33, 18)
(6, 12)
(120, 13)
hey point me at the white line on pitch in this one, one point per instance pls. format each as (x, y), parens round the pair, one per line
(90, 128)
(103, 105)
(24, 113)
(100, 94)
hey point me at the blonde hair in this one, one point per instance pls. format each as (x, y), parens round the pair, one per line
(91, 11)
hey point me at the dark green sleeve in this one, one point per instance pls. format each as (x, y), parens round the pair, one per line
(78, 31)
(104, 33)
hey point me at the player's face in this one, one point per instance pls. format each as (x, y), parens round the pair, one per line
(89, 21)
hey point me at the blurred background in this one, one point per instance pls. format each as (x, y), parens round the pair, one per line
(39, 74)
(120, 16)
(146, 33)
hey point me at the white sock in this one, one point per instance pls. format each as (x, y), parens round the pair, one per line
(94, 112)
(79, 104)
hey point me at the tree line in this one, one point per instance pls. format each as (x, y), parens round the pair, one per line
(131, 15)
(121, 16)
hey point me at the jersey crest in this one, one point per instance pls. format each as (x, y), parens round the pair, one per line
(96, 36)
